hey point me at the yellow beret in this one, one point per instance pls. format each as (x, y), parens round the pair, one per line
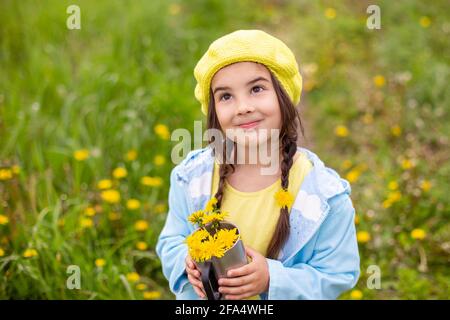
(248, 45)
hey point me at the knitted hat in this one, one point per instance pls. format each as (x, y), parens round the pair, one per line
(248, 45)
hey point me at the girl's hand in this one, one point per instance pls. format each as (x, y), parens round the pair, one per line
(194, 277)
(247, 281)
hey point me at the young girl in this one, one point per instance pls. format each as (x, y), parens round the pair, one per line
(298, 221)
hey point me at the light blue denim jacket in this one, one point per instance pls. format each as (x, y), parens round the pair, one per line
(320, 258)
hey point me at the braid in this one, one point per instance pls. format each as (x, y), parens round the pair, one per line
(289, 148)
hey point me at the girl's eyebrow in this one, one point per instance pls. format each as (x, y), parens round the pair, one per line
(248, 83)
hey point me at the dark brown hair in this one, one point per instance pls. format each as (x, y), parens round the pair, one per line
(288, 138)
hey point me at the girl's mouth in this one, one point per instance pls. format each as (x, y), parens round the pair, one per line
(249, 125)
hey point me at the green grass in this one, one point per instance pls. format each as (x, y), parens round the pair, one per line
(104, 88)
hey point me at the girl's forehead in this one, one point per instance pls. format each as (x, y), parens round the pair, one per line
(239, 71)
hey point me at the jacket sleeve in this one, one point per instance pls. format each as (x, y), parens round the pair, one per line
(170, 247)
(334, 266)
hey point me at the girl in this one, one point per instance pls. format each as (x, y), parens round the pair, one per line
(298, 221)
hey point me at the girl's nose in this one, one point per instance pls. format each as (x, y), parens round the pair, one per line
(244, 107)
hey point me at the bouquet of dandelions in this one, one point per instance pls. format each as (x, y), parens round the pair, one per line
(210, 239)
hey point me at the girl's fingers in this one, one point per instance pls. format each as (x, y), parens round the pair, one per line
(237, 291)
(194, 281)
(193, 272)
(199, 292)
(236, 282)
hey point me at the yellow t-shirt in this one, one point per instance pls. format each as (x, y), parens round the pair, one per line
(256, 213)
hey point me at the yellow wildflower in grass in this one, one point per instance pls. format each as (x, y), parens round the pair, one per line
(159, 160)
(100, 263)
(5, 174)
(418, 234)
(396, 131)
(141, 245)
(15, 169)
(226, 237)
(3, 219)
(356, 219)
(210, 205)
(393, 197)
(141, 225)
(111, 196)
(363, 236)
(407, 164)
(347, 164)
(86, 223)
(150, 295)
(81, 155)
(425, 185)
(341, 131)
(2, 252)
(160, 208)
(393, 185)
(133, 204)
(284, 198)
(120, 173)
(104, 184)
(356, 294)
(379, 81)
(425, 22)
(30, 253)
(131, 155)
(214, 217)
(151, 181)
(89, 211)
(196, 217)
(133, 277)
(353, 175)
(141, 286)
(162, 131)
(114, 216)
(330, 13)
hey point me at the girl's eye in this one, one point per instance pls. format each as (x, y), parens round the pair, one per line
(225, 95)
(257, 87)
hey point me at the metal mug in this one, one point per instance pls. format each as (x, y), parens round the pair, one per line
(215, 268)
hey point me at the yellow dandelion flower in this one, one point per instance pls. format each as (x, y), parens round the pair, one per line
(356, 294)
(89, 211)
(2, 252)
(151, 181)
(196, 217)
(29, 253)
(379, 81)
(396, 131)
(120, 173)
(100, 263)
(150, 295)
(141, 225)
(141, 245)
(425, 185)
(356, 219)
(407, 164)
(418, 234)
(284, 198)
(86, 223)
(330, 13)
(133, 277)
(133, 204)
(81, 155)
(111, 196)
(114, 216)
(162, 131)
(214, 217)
(3, 219)
(159, 160)
(131, 155)
(5, 174)
(393, 185)
(425, 22)
(226, 238)
(141, 286)
(160, 208)
(211, 204)
(353, 175)
(341, 131)
(104, 184)
(363, 236)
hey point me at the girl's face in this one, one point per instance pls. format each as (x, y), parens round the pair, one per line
(246, 102)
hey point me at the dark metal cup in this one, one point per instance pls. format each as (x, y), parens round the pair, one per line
(215, 268)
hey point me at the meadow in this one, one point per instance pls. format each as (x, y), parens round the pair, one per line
(86, 118)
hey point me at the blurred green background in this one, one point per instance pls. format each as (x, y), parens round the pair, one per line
(86, 117)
